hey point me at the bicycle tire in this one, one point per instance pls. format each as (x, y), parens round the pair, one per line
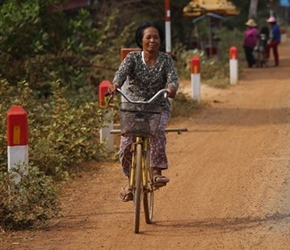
(138, 187)
(148, 195)
(148, 200)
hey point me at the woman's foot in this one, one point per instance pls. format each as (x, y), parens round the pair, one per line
(126, 194)
(158, 177)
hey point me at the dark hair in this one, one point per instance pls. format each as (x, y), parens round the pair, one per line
(265, 30)
(140, 32)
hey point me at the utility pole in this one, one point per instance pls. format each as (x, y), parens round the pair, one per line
(271, 7)
(167, 27)
(253, 9)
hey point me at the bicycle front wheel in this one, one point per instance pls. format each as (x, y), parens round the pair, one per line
(148, 195)
(138, 187)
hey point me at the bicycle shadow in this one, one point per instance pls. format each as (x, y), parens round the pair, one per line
(218, 225)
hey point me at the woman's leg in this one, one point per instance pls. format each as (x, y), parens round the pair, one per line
(274, 46)
(158, 158)
(125, 155)
(253, 59)
(249, 55)
(275, 52)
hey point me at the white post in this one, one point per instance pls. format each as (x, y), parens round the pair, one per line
(195, 78)
(233, 57)
(105, 135)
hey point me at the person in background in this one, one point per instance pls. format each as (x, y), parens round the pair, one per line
(275, 38)
(261, 47)
(147, 71)
(250, 40)
(265, 32)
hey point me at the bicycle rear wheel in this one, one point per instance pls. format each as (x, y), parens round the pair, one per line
(138, 187)
(148, 195)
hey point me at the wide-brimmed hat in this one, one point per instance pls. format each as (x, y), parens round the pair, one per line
(251, 23)
(271, 19)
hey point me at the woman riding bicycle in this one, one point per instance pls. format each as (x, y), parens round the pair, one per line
(146, 72)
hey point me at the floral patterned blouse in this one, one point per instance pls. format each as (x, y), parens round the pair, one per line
(144, 81)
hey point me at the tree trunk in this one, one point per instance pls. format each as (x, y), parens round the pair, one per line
(253, 9)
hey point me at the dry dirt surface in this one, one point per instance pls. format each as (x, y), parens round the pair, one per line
(229, 180)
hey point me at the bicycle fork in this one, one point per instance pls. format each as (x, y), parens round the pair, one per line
(145, 161)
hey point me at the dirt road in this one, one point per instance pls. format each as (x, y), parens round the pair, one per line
(229, 181)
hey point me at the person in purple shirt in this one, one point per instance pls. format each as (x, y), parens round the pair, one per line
(275, 39)
(250, 40)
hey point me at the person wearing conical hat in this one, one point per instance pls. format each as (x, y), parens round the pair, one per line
(275, 39)
(250, 40)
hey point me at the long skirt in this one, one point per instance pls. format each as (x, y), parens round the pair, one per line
(158, 158)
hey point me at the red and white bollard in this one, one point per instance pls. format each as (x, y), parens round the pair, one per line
(233, 57)
(105, 135)
(17, 137)
(195, 78)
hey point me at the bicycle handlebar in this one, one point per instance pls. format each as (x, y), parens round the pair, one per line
(161, 91)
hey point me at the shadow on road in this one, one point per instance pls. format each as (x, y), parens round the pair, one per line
(223, 225)
(247, 116)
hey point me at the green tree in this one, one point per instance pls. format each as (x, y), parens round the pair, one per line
(40, 43)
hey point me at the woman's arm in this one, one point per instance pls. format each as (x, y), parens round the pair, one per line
(124, 70)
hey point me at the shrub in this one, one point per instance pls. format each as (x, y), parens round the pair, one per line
(183, 106)
(63, 129)
(29, 202)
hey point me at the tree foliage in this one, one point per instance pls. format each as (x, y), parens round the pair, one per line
(27, 203)
(39, 43)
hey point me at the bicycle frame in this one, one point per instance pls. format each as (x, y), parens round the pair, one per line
(145, 148)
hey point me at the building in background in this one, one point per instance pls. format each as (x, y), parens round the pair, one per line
(196, 8)
(214, 12)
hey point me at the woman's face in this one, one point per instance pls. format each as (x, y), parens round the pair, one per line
(151, 40)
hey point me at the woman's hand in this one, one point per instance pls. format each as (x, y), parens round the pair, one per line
(113, 87)
(171, 92)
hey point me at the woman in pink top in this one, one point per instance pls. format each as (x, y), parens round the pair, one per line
(250, 40)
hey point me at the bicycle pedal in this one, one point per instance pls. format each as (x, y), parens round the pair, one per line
(159, 184)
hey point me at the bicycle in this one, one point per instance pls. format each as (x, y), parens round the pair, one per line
(140, 119)
(260, 51)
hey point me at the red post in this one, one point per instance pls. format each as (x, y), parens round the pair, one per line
(17, 139)
(103, 89)
(195, 77)
(195, 65)
(125, 51)
(17, 126)
(105, 136)
(233, 63)
(233, 53)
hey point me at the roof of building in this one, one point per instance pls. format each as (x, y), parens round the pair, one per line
(197, 8)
